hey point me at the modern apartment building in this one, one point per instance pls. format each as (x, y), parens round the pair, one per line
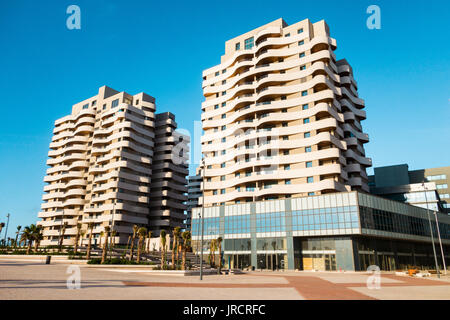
(100, 159)
(194, 193)
(282, 117)
(397, 182)
(168, 192)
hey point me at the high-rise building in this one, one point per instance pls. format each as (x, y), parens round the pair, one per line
(282, 117)
(101, 158)
(426, 188)
(168, 192)
(194, 193)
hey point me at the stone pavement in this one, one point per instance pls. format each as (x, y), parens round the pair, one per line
(35, 280)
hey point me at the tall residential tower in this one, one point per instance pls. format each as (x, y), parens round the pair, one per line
(101, 163)
(282, 117)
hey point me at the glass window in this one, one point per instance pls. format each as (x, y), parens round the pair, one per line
(307, 134)
(287, 167)
(309, 164)
(310, 179)
(302, 67)
(217, 73)
(115, 103)
(249, 43)
(304, 93)
(305, 120)
(287, 181)
(307, 149)
(301, 42)
(300, 30)
(238, 46)
(442, 186)
(305, 106)
(301, 55)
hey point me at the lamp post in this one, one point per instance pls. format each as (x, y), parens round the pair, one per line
(112, 230)
(431, 232)
(6, 232)
(202, 218)
(440, 243)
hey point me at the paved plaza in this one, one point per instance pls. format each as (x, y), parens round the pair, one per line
(32, 279)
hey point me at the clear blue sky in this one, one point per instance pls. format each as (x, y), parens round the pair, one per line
(161, 48)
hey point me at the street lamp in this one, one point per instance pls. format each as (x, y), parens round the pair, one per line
(431, 231)
(202, 217)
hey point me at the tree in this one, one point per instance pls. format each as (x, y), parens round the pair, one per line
(27, 237)
(105, 244)
(142, 232)
(63, 231)
(212, 252)
(77, 238)
(186, 235)
(37, 237)
(82, 234)
(17, 235)
(2, 224)
(91, 228)
(219, 244)
(162, 239)
(135, 230)
(176, 234)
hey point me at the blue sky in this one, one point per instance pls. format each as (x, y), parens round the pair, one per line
(161, 48)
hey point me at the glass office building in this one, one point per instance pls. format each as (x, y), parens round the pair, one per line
(338, 231)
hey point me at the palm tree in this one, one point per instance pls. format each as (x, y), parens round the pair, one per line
(82, 234)
(37, 237)
(142, 233)
(186, 235)
(63, 231)
(219, 244)
(135, 230)
(105, 244)
(162, 239)
(2, 224)
(176, 235)
(17, 235)
(27, 236)
(91, 228)
(212, 252)
(77, 238)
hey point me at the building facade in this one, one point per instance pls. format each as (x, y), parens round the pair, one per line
(338, 231)
(100, 159)
(423, 188)
(194, 193)
(282, 118)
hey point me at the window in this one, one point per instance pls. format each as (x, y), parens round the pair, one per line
(249, 43)
(224, 93)
(237, 174)
(217, 73)
(305, 106)
(94, 102)
(300, 30)
(305, 120)
(224, 70)
(223, 152)
(216, 106)
(283, 97)
(287, 35)
(285, 138)
(222, 191)
(222, 165)
(310, 179)
(86, 106)
(238, 46)
(287, 167)
(284, 124)
(302, 67)
(104, 106)
(442, 186)
(224, 116)
(304, 93)
(301, 42)
(224, 139)
(286, 152)
(301, 55)
(224, 104)
(115, 103)
(309, 164)
(437, 177)
(222, 178)
(214, 192)
(224, 128)
(224, 81)
(307, 149)
(284, 110)
(310, 193)
(445, 196)
(287, 181)
(307, 135)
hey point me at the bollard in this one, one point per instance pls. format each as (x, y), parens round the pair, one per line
(47, 260)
